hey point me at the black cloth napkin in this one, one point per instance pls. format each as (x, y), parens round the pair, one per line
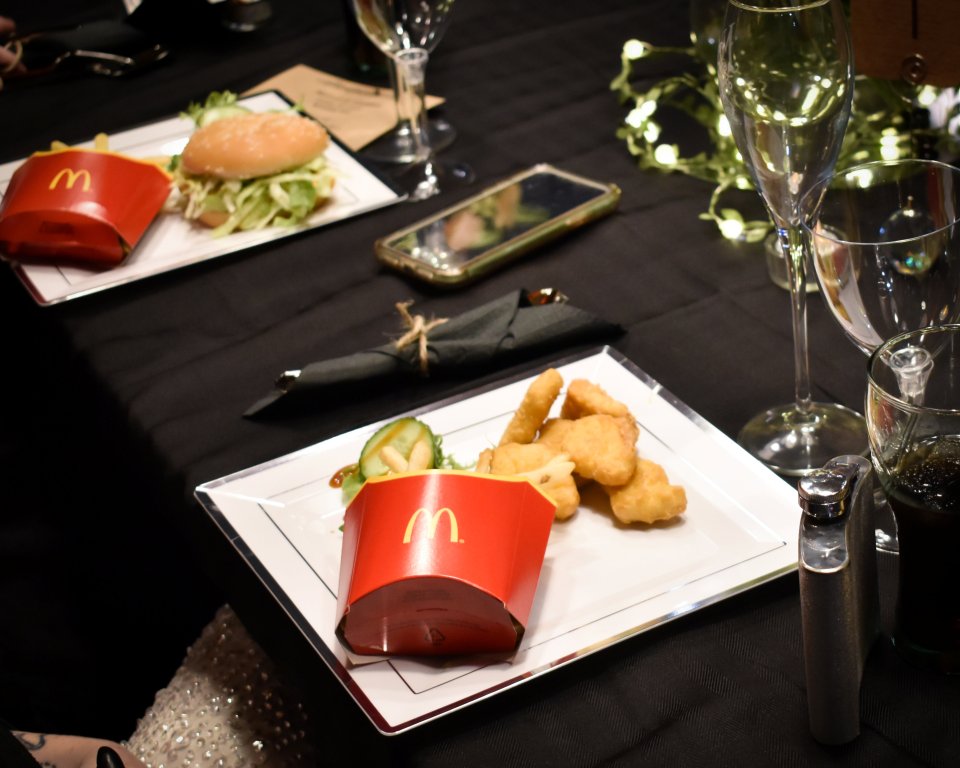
(488, 335)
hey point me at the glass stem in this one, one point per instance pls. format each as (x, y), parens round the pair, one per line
(795, 247)
(403, 125)
(411, 71)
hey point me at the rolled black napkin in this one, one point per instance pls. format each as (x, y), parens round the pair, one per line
(520, 322)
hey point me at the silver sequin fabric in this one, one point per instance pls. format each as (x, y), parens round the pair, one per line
(224, 708)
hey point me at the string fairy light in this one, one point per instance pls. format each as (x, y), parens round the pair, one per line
(889, 120)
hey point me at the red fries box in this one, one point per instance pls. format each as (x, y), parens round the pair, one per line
(440, 563)
(82, 205)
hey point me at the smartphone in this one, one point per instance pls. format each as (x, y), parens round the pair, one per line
(464, 242)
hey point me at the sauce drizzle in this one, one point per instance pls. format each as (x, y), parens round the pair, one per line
(338, 478)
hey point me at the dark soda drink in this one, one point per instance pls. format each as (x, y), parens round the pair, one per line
(924, 493)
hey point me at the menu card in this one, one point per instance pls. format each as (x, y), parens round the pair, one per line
(355, 113)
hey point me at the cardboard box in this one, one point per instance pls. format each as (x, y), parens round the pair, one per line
(81, 205)
(440, 563)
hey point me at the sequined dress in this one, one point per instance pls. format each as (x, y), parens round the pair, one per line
(224, 708)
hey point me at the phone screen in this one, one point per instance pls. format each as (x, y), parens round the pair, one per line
(504, 214)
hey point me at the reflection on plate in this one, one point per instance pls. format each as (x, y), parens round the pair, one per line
(601, 582)
(172, 242)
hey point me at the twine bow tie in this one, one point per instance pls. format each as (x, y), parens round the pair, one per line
(418, 327)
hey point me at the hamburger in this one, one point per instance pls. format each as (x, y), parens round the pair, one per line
(245, 170)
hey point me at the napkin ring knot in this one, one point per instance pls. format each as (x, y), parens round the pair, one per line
(418, 328)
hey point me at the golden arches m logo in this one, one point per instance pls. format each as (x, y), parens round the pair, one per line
(432, 522)
(72, 177)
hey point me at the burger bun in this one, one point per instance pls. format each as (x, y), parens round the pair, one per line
(255, 144)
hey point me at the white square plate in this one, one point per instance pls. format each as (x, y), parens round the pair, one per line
(171, 241)
(601, 582)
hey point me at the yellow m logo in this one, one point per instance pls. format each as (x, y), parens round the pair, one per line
(72, 176)
(432, 524)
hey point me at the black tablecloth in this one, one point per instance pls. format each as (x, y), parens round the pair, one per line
(120, 403)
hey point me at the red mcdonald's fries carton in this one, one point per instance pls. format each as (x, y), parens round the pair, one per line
(440, 563)
(76, 204)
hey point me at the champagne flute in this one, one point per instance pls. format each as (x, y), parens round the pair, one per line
(405, 30)
(785, 73)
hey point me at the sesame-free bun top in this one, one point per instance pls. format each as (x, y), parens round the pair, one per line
(257, 144)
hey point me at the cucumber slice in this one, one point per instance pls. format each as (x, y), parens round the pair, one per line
(401, 435)
(218, 113)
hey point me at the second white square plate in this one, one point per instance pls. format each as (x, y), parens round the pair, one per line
(171, 241)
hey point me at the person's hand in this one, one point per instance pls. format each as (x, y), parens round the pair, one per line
(9, 57)
(75, 751)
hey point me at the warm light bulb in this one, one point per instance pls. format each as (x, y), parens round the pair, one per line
(665, 154)
(635, 49)
(889, 151)
(926, 96)
(731, 229)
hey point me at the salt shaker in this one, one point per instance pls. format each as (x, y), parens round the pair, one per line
(839, 597)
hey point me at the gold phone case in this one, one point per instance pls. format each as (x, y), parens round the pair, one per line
(425, 249)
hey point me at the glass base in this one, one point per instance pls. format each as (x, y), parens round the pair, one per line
(420, 181)
(397, 146)
(795, 443)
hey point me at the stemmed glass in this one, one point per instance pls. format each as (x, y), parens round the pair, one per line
(405, 30)
(786, 82)
(886, 248)
(397, 146)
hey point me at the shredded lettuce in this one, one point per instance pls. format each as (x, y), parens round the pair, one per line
(283, 199)
(218, 100)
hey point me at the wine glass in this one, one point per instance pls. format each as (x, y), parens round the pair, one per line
(886, 249)
(395, 146)
(913, 415)
(405, 30)
(785, 73)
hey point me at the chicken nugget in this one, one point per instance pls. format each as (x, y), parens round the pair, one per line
(484, 461)
(553, 431)
(545, 467)
(564, 494)
(629, 430)
(516, 458)
(585, 398)
(647, 497)
(533, 409)
(597, 445)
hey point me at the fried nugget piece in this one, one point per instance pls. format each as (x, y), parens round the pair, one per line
(533, 409)
(484, 461)
(554, 431)
(545, 467)
(647, 497)
(603, 448)
(585, 398)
